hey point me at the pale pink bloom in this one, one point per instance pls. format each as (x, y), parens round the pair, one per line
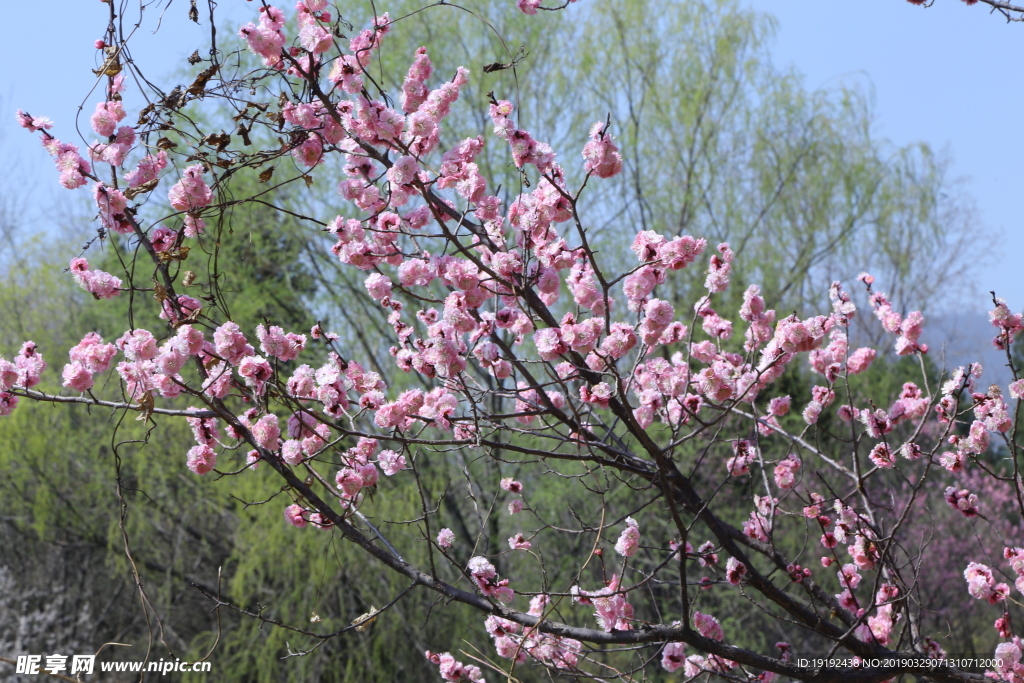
(218, 381)
(708, 626)
(519, 542)
(191, 192)
(981, 584)
(486, 579)
(148, 169)
(1017, 389)
(849, 577)
(601, 155)
(266, 432)
(295, 515)
(30, 364)
(8, 402)
(528, 6)
(734, 571)
(963, 501)
(882, 456)
(673, 656)
(515, 506)
(785, 472)
(369, 475)
(812, 412)
(445, 538)
(511, 485)
(952, 461)
(91, 352)
(230, 343)
(202, 459)
(291, 451)
(454, 671)
(600, 394)
(779, 406)
(33, 124)
(629, 539)
(274, 342)
(391, 462)
(9, 372)
(138, 345)
(106, 117)
(859, 360)
(349, 481)
(256, 371)
(162, 238)
(549, 343)
(77, 377)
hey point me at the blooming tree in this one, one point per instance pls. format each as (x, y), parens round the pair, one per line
(525, 346)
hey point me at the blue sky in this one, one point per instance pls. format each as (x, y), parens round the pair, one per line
(947, 75)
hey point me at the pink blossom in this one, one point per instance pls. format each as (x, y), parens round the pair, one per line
(779, 406)
(30, 364)
(528, 7)
(191, 192)
(148, 169)
(106, 117)
(202, 459)
(33, 124)
(138, 345)
(8, 402)
(629, 539)
(673, 656)
(486, 579)
(98, 283)
(734, 571)
(519, 542)
(785, 472)
(718, 269)
(445, 538)
(963, 501)
(368, 474)
(349, 481)
(1017, 389)
(256, 371)
(454, 671)
(549, 343)
(274, 342)
(291, 452)
(601, 156)
(391, 462)
(511, 485)
(295, 515)
(230, 343)
(182, 307)
(266, 432)
(882, 456)
(515, 506)
(859, 360)
(849, 577)
(91, 353)
(77, 377)
(708, 626)
(981, 584)
(9, 373)
(218, 381)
